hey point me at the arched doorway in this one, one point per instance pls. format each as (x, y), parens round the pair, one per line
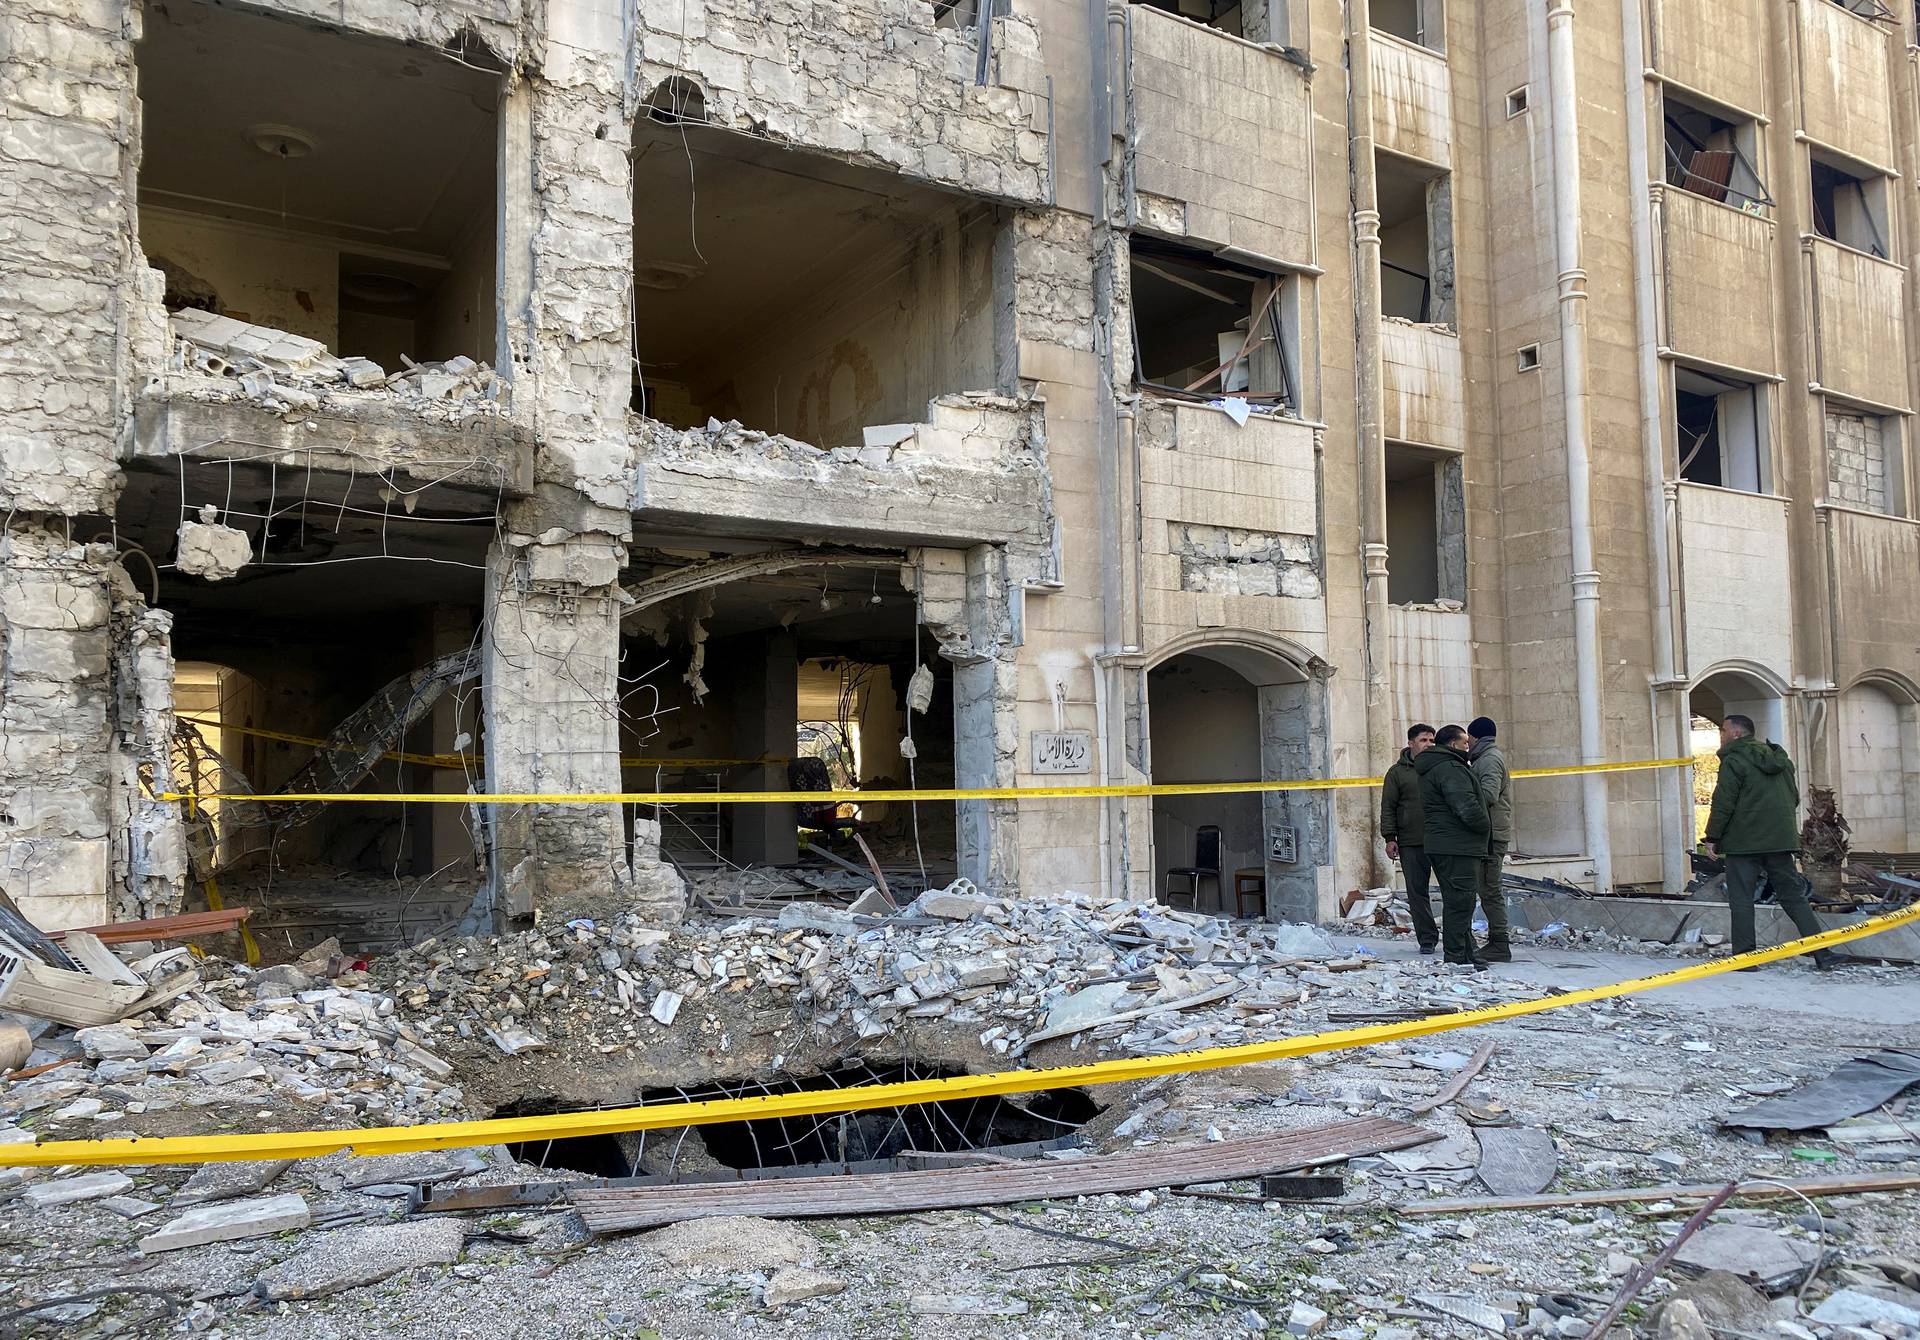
(1233, 713)
(1879, 766)
(1719, 695)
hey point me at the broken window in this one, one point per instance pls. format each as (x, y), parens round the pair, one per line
(1867, 9)
(802, 679)
(798, 294)
(1207, 327)
(1426, 526)
(1712, 156)
(1849, 208)
(1722, 429)
(1416, 241)
(277, 189)
(1417, 21)
(1864, 465)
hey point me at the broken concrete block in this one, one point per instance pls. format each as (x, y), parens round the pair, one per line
(440, 385)
(419, 1169)
(819, 917)
(229, 1221)
(796, 1284)
(210, 550)
(225, 1181)
(111, 1042)
(354, 1257)
(665, 1006)
(129, 1207)
(1855, 1307)
(1085, 1007)
(887, 434)
(1306, 1319)
(1748, 1251)
(257, 383)
(67, 1190)
(870, 904)
(949, 906)
(361, 372)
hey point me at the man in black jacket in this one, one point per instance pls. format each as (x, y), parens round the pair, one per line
(1458, 838)
(1403, 825)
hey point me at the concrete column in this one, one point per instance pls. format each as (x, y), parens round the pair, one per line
(55, 736)
(766, 714)
(551, 675)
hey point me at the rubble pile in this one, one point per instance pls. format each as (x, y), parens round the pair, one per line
(291, 373)
(1138, 978)
(286, 1034)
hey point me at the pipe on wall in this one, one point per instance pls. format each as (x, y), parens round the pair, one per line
(1669, 723)
(1366, 388)
(1565, 158)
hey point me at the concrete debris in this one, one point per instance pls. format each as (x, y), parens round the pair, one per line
(966, 1305)
(732, 1245)
(1855, 1307)
(421, 1169)
(796, 1284)
(1142, 978)
(229, 1181)
(1306, 1319)
(1749, 1252)
(292, 374)
(68, 1190)
(354, 1257)
(228, 1221)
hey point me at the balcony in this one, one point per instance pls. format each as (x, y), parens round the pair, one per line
(1735, 579)
(887, 83)
(1846, 98)
(1432, 653)
(1717, 268)
(1422, 396)
(1221, 139)
(1859, 328)
(1713, 47)
(1412, 100)
(1231, 517)
(1875, 598)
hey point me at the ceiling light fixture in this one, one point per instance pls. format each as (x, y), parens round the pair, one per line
(280, 141)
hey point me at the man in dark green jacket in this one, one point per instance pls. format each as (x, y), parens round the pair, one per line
(1457, 831)
(1403, 825)
(1496, 788)
(1753, 824)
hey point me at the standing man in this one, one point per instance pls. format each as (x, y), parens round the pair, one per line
(1456, 833)
(1403, 824)
(1496, 788)
(1753, 824)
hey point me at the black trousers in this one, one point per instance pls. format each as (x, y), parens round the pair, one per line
(1459, 889)
(1419, 872)
(1743, 874)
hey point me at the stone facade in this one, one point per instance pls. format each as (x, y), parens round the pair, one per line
(1077, 550)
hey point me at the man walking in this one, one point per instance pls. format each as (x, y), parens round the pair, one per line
(1752, 824)
(1456, 831)
(1496, 788)
(1403, 824)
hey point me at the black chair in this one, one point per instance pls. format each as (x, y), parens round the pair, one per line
(1206, 865)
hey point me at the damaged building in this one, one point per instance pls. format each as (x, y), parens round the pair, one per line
(539, 401)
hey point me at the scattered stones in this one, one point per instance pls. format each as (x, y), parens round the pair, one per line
(1305, 1319)
(227, 1221)
(353, 1257)
(111, 1042)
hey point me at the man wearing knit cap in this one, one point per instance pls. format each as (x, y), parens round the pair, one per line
(1496, 788)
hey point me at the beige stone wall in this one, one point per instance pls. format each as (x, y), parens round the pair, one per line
(1713, 47)
(1845, 84)
(1860, 331)
(1735, 566)
(1874, 560)
(1716, 271)
(1220, 132)
(1412, 100)
(1423, 384)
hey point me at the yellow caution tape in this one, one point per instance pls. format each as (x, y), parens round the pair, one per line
(454, 762)
(863, 797)
(813, 1102)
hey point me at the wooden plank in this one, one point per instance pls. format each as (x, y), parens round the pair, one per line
(614, 1211)
(1516, 1160)
(187, 926)
(1457, 1085)
(1806, 1186)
